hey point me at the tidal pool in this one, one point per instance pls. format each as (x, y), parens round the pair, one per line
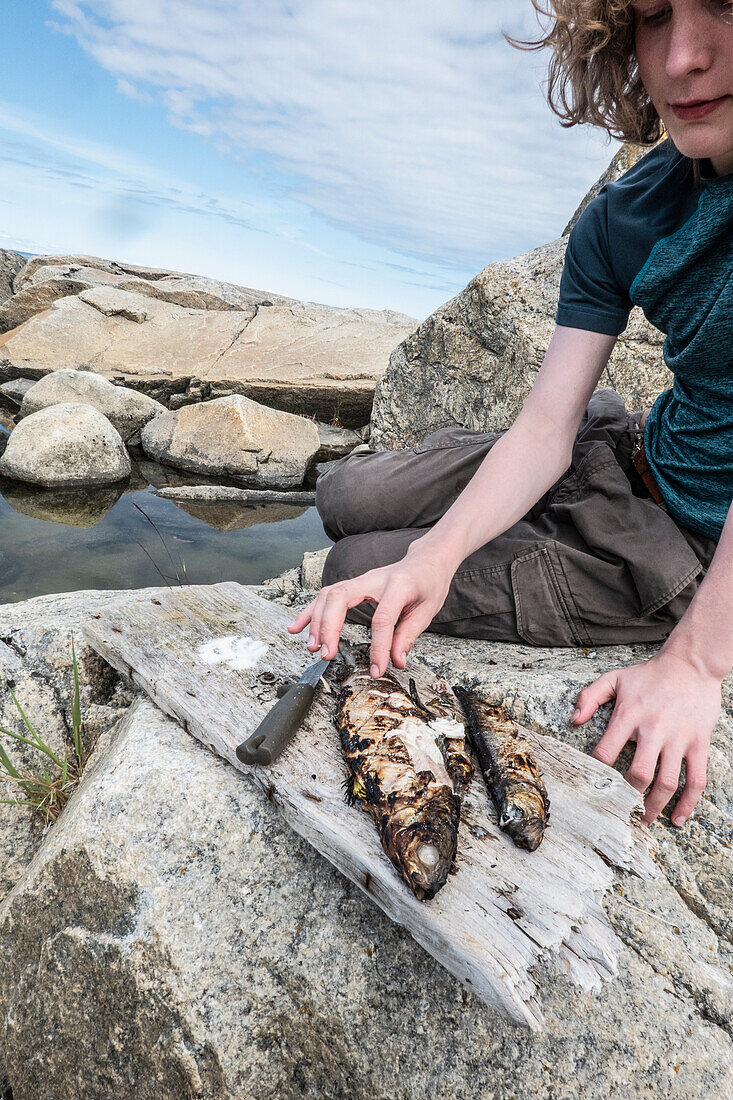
(56, 541)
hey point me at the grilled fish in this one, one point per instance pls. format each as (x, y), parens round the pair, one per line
(509, 768)
(408, 766)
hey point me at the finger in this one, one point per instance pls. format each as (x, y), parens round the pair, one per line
(694, 785)
(409, 629)
(665, 784)
(302, 620)
(644, 764)
(383, 623)
(314, 634)
(617, 733)
(590, 698)
(341, 597)
(338, 602)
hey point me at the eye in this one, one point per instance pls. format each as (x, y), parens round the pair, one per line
(656, 17)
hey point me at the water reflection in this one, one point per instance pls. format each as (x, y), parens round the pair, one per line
(71, 507)
(232, 516)
(59, 541)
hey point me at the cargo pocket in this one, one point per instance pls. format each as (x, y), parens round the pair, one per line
(475, 593)
(543, 601)
(622, 557)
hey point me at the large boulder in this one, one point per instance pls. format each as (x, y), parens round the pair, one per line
(44, 279)
(10, 264)
(475, 359)
(125, 408)
(235, 437)
(189, 338)
(68, 445)
(210, 953)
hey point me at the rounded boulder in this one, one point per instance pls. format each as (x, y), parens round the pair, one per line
(67, 445)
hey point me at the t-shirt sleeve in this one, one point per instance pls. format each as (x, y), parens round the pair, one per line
(590, 295)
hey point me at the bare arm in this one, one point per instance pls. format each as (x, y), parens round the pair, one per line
(520, 467)
(669, 704)
(531, 456)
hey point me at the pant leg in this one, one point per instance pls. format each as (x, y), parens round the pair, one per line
(394, 490)
(593, 563)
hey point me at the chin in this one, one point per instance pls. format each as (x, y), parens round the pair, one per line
(697, 143)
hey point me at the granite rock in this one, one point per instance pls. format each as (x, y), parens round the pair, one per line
(236, 438)
(125, 408)
(14, 391)
(475, 359)
(184, 338)
(68, 445)
(10, 264)
(211, 953)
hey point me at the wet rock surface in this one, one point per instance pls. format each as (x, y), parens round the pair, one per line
(211, 953)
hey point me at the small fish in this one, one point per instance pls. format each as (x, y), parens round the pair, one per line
(509, 768)
(408, 765)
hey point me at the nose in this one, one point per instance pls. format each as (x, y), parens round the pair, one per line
(691, 42)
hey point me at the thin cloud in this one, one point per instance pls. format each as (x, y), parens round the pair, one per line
(415, 126)
(92, 166)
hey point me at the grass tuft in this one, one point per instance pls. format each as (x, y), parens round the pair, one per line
(45, 792)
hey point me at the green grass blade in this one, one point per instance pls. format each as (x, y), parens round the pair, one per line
(76, 706)
(26, 720)
(7, 763)
(38, 744)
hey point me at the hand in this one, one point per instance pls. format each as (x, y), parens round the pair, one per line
(407, 596)
(669, 707)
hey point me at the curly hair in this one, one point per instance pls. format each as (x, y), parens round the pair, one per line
(593, 74)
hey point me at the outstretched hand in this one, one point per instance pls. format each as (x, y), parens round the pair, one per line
(406, 595)
(669, 707)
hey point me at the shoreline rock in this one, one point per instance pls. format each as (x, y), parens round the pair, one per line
(182, 338)
(166, 864)
(237, 438)
(127, 410)
(67, 445)
(11, 263)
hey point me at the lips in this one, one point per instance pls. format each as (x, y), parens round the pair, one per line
(697, 108)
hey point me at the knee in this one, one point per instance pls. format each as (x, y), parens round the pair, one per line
(343, 497)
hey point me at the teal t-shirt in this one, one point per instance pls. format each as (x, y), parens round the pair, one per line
(657, 239)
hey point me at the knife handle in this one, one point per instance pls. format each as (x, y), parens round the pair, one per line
(277, 728)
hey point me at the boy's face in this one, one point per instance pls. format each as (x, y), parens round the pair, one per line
(684, 49)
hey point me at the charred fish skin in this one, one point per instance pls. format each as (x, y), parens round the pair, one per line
(400, 776)
(509, 768)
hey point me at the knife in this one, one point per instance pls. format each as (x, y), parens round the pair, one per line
(278, 727)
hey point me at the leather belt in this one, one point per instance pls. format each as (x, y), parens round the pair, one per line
(644, 471)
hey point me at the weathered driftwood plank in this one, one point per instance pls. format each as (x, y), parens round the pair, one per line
(217, 494)
(503, 909)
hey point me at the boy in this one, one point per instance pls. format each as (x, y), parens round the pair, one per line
(574, 526)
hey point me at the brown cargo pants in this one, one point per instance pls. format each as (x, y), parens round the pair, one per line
(595, 562)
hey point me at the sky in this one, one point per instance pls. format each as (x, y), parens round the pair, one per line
(359, 154)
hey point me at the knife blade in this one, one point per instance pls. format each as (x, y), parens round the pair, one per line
(278, 727)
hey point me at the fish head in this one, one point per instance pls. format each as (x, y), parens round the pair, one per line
(524, 816)
(425, 848)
